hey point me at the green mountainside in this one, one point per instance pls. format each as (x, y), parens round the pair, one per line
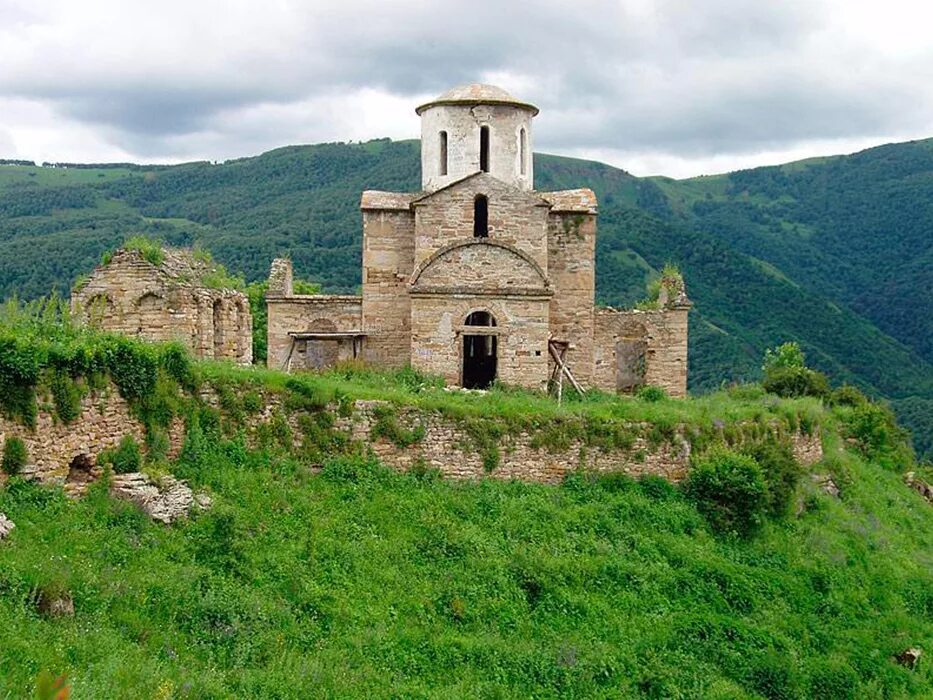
(799, 252)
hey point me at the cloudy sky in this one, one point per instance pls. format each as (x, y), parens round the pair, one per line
(674, 87)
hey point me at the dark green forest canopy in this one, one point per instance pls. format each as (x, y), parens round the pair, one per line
(835, 253)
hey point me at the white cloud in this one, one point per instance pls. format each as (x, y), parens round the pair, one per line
(671, 86)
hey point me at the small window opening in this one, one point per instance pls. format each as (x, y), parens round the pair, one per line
(522, 148)
(443, 153)
(484, 149)
(480, 217)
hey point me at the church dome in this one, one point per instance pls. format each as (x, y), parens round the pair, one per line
(477, 94)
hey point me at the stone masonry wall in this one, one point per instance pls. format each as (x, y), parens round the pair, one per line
(306, 313)
(388, 261)
(521, 326)
(104, 420)
(572, 271)
(661, 337)
(462, 124)
(516, 218)
(447, 446)
(131, 296)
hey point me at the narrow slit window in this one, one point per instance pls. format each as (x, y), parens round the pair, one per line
(484, 149)
(443, 153)
(522, 150)
(480, 217)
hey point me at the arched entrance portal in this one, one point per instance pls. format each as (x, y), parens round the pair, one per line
(479, 351)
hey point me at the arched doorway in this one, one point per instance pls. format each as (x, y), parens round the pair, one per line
(479, 351)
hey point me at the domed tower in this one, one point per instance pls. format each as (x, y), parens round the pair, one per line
(476, 128)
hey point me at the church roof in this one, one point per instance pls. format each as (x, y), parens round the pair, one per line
(376, 199)
(477, 94)
(581, 200)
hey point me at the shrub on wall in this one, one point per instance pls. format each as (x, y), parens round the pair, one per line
(67, 396)
(14, 456)
(729, 489)
(125, 458)
(878, 436)
(781, 472)
(790, 382)
(786, 374)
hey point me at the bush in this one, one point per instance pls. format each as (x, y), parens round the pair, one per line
(125, 458)
(133, 368)
(848, 395)
(784, 356)
(177, 364)
(833, 680)
(790, 382)
(729, 489)
(67, 396)
(14, 456)
(786, 374)
(878, 436)
(656, 487)
(781, 472)
(651, 393)
(355, 470)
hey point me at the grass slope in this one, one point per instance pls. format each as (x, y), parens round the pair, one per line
(358, 582)
(354, 581)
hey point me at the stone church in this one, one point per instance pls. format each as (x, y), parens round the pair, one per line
(479, 277)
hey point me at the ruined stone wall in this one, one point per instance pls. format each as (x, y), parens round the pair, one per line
(388, 260)
(516, 218)
(449, 448)
(666, 361)
(446, 445)
(462, 124)
(521, 326)
(104, 420)
(311, 312)
(634, 348)
(572, 271)
(131, 296)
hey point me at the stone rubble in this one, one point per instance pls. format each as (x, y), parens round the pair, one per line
(827, 484)
(6, 526)
(919, 485)
(61, 606)
(909, 658)
(166, 501)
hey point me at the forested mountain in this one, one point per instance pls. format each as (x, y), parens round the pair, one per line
(835, 253)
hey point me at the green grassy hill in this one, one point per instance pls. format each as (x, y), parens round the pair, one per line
(317, 572)
(803, 252)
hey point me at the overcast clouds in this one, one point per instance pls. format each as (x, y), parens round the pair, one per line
(672, 87)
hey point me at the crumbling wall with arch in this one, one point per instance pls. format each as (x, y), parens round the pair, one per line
(132, 296)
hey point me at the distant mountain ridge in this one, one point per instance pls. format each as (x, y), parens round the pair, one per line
(836, 253)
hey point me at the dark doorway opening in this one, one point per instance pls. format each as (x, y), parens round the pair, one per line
(484, 149)
(479, 352)
(480, 217)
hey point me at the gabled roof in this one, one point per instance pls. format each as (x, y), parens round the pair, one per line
(533, 196)
(581, 200)
(477, 94)
(393, 201)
